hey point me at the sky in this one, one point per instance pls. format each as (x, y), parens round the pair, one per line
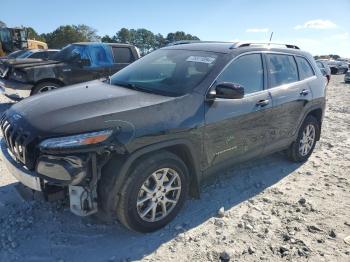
(317, 26)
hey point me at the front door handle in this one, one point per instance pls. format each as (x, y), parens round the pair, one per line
(304, 92)
(263, 102)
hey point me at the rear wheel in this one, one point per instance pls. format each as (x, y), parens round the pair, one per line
(302, 148)
(44, 87)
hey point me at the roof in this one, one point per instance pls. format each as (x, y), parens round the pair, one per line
(103, 43)
(230, 47)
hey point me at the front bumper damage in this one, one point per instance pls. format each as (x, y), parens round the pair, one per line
(14, 89)
(75, 175)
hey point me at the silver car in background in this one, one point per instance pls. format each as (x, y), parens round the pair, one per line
(325, 69)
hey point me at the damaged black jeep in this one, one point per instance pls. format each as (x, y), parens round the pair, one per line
(134, 146)
(76, 63)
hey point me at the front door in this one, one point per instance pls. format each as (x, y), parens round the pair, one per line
(236, 128)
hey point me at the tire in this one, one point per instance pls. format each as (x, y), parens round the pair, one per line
(295, 152)
(142, 175)
(44, 87)
(334, 71)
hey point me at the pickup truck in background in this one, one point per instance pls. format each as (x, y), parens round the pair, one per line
(76, 63)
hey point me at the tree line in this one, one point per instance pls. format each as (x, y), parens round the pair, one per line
(144, 39)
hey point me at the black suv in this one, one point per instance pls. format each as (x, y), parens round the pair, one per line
(76, 63)
(134, 146)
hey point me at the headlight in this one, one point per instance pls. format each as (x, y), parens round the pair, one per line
(76, 140)
(18, 76)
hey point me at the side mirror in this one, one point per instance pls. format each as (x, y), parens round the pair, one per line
(84, 62)
(227, 90)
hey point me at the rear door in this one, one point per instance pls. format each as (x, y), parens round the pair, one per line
(290, 91)
(122, 56)
(236, 128)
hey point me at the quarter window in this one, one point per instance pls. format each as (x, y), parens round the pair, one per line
(319, 64)
(305, 69)
(282, 69)
(247, 71)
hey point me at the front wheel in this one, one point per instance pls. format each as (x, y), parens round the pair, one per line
(302, 148)
(154, 192)
(44, 87)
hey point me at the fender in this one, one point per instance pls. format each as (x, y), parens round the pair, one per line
(126, 163)
(318, 106)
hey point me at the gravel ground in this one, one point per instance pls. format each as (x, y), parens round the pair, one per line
(268, 209)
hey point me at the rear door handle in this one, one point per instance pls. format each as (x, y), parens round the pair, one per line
(304, 92)
(263, 102)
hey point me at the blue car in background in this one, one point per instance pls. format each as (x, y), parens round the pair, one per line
(75, 63)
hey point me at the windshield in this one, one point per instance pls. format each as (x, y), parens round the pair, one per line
(25, 54)
(16, 53)
(168, 72)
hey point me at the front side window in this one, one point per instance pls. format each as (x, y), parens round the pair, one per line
(72, 53)
(305, 69)
(247, 71)
(98, 54)
(282, 69)
(168, 72)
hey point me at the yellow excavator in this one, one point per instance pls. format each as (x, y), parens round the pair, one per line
(13, 39)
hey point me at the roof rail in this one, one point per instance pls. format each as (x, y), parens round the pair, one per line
(183, 42)
(243, 44)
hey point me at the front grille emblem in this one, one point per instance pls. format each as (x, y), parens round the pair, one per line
(16, 116)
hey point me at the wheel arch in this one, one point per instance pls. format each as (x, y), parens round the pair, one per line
(182, 148)
(316, 112)
(52, 80)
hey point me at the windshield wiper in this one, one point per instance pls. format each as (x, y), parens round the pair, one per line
(130, 85)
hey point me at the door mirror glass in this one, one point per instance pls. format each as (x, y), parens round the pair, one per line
(228, 90)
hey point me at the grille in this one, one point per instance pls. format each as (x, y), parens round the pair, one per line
(16, 140)
(3, 70)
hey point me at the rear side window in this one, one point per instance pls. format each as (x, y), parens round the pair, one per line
(122, 55)
(247, 71)
(282, 69)
(305, 69)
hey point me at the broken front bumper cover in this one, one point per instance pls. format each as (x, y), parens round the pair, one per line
(14, 89)
(83, 202)
(26, 177)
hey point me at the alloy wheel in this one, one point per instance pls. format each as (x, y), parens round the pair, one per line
(307, 140)
(158, 195)
(46, 88)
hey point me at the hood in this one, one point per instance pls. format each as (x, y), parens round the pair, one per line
(28, 62)
(85, 107)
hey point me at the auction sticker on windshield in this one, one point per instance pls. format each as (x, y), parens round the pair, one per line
(201, 59)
